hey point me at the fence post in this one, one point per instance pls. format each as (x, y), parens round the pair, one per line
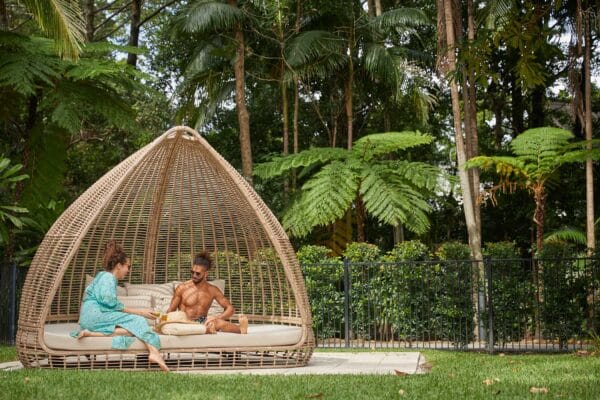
(490, 303)
(12, 303)
(346, 303)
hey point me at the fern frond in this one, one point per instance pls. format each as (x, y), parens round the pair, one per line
(25, 63)
(418, 174)
(540, 142)
(393, 202)
(305, 158)
(325, 198)
(379, 144)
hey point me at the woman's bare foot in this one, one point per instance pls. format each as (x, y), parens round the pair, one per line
(157, 359)
(83, 333)
(243, 324)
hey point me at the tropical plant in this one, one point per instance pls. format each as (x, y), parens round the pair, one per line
(10, 215)
(221, 26)
(60, 20)
(362, 179)
(539, 154)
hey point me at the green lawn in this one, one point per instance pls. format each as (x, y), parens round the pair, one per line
(454, 375)
(7, 353)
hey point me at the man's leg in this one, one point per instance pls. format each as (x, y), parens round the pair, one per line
(226, 326)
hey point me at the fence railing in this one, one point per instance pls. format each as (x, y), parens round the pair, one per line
(493, 305)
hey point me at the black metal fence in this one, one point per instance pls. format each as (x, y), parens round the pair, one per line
(493, 305)
(11, 282)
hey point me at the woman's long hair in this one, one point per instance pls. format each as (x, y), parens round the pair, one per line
(113, 255)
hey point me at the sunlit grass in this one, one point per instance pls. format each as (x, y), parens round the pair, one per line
(453, 375)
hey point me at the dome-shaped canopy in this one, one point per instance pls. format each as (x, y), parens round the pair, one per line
(171, 199)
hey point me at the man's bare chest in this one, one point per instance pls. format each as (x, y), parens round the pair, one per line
(195, 297)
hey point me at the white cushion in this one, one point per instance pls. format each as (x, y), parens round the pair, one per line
(56, 336)
(156, 290)
(140, 301)
(183, 329)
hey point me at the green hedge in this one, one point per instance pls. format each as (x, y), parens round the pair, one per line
(410, 293)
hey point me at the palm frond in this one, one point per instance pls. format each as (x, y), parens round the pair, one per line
(379, 144)
(380, 65)
(567, 234)
(401, 17)
(305, 158)
(325, 198)
(62, 21)
(497, 13)
(312, 47)
(208, 16)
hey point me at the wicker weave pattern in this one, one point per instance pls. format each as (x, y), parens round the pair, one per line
(169, 200)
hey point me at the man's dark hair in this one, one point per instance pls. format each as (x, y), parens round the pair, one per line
(203, 259)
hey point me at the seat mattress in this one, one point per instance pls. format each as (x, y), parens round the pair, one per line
(56, 336)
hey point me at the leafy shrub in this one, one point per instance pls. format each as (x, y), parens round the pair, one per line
(512, 292)
(562, 282)
(453, 308)
(403, 291)
(324, 277)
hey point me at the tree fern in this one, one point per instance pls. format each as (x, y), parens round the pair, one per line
(401, 17)
(379, 144)
(393, 191)
(281, 165)
(567, 234)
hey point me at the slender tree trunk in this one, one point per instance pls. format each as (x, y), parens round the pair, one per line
(360, 218)
(296, 95)
(3, 16)
(474, 237)
(240, 101)
(89, 13)
(589, 166)
(134, 30)
(378, 8)
(539, 215)
(348, 101)
(284, 99)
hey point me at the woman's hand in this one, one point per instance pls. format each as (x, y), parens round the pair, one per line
(144, 312)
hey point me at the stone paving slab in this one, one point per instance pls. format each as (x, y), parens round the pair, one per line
(342, 364)
(323, 364)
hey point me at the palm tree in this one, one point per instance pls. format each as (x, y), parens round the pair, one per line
(362, 179)
(222, 22)
(539, 154)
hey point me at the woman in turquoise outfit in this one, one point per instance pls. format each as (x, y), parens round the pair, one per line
(102, 314)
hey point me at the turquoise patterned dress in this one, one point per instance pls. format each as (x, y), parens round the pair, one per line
(103, 312)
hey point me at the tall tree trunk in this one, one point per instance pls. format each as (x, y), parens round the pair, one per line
(89, 12)
(378, 8)
(296, 95)
(3, 16)
(240, 101)
(461, 153)
(589, 166)
(348, 102)
(360, 218)
(134, 30)
(284, 99)
(539, 215)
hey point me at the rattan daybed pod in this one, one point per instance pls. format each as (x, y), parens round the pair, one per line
(169, 200)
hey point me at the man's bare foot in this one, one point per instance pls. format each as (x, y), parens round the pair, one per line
(157, 359)
(210, 328)
(243, 324)
(83, 333)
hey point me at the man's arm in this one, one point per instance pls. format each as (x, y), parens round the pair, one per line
(176, 300)
(228, 309)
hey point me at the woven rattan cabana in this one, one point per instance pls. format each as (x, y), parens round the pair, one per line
(169, 200)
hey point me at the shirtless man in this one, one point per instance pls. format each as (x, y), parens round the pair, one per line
(195, 297)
